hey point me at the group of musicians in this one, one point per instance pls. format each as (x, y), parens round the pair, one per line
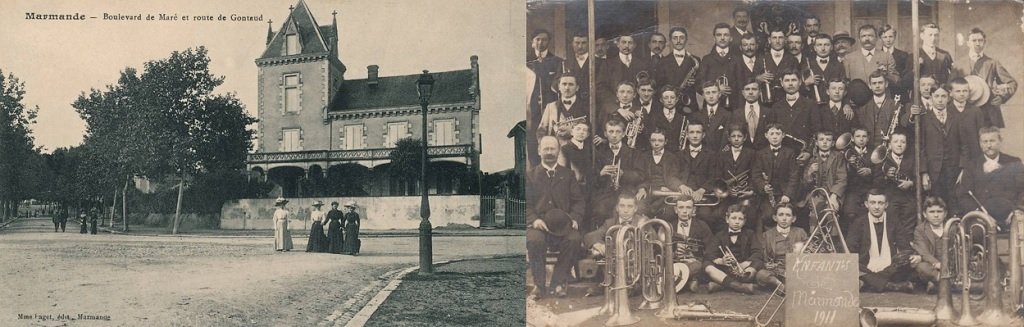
(727, 147)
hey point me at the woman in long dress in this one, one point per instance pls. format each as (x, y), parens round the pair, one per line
(352, 243)
(282, 237)
(335, 239)
(317, 240)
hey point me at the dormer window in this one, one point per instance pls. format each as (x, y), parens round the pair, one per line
(292, 44)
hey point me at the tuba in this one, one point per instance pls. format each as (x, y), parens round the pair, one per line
(958, 238)
(641, 254)
(656, 253)
(624, 259)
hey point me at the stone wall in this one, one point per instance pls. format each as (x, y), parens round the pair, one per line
(378, 213)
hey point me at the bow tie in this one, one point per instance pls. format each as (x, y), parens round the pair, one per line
(776, 150)
(679, 55)
(783, 231)
(877, 220)
(792, 97)
(659, 153)
(823, 155)
(694, 151)
(684, 223)
(566, 102)
(627, 107)
(614, 147)
(735, 233)
(822, 61)
(721, 53)
(644, 104)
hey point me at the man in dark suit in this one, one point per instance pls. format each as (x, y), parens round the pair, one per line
(940, 145)
(567, 106)
(747, 67)
(776, 60)
(658, 169)
(884, 247)
(902, 59)
(934, 61)
(720, 62)
(775, 171)
(859, 176)
(992, 72)
(579, 65)
(623, 67)
(795, 48)
(821, 68)
(554, 211)
(970, 119)
(714, 116)
(793, 112)
(615, 171)
(876, 115)
(656, 44)
(623, 109)
(833, 115)
(812, 28)
(695, 161)
(995, 178)
(669, 119)
(545, 66)
(827, 170)
(740, 26)
(753, 115)
(680, 70)
(691, 238)
(734, 165)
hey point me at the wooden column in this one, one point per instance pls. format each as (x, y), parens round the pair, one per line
(559, 42)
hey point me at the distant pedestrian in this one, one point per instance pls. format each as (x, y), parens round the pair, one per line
(317, 239)
(56, 223)
(62, 219)
(352, 242)
(282, 237)
(335, 239)
(85, 225)
(93, 218)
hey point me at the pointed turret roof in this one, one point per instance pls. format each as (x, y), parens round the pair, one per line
(312, 35)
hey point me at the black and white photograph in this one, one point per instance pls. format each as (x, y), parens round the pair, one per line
(685, 157)
(262, 163)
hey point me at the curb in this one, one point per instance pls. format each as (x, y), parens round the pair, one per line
(363, 316)
(9, 222)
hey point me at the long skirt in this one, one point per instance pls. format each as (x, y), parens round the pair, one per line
(282, 236)
(85, 228)
(351, 239)
(317, 240)
(335, 239)
(92, 230)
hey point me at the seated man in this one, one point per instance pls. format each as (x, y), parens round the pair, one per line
(690, 238)
(552, 218)
(928, 240)
(778, 241)
(995, 178)
(746, 249)
(625, 213)
(886, 259)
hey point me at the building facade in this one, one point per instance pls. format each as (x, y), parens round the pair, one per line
(320, 134)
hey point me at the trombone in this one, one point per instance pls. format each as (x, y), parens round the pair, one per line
(672, 197)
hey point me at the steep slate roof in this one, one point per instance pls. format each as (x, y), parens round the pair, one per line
(310, 34)
(400, 91)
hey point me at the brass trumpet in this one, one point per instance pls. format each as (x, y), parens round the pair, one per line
(564, 127)
(617, 162)
(730, 260)
(672, 197)
(766, 97)
(723, 80)
(956, 236)
(816, 88)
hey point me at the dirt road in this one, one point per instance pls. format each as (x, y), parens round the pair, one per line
(71, 279)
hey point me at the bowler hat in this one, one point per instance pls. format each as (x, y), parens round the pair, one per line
(558, 221)
(859, 92)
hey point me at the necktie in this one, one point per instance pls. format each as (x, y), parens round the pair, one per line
(628, 60)
(941, 115)
(870, 55)
(627, 107)
(551, 174)
(645, 104)
(711, 112)
(751, 119)
(835, 109)
(656, 154)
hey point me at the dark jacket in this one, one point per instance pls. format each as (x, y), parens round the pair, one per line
(858, 239)
(655, 175)
(714, 126)
(695, 172)
(795, 120)
(748, 247)
(1000, 191)
(739, 116)
(699, 232)
(782, 171)
(561, 192)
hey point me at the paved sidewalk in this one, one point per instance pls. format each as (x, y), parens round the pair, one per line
(474, 292)
(437, 232)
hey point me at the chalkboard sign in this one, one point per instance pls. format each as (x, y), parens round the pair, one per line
(822, 290)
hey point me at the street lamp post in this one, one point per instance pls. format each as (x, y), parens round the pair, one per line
(424, 86)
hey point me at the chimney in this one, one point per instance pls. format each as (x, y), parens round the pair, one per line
(371, 75)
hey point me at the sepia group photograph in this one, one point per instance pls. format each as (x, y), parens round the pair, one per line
(774, 163)
(261, 163)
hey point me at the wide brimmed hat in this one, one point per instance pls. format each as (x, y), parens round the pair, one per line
(980, 91)
(318, 203)
(350, 204)
(280, 201)
(841, 35)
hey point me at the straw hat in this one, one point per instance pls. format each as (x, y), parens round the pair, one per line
(980, 91)
(280, 201)
(318, 203)
(351, 204)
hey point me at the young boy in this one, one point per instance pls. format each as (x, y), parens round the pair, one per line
(734, 165)
(860, 176)
(775, 171)
(623, 109)
(690, 240)
(895, 178)
(576, 153)
(778, 241)
(928, 240)
(827, 169)
(625, 213)
(746, 247)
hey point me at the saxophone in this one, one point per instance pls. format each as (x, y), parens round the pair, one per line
(693, 71)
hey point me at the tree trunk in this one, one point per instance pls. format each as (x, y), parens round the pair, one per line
(113, 207)
(177, 210)
(124, 203)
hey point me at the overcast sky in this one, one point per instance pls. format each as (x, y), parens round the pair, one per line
(58, 60)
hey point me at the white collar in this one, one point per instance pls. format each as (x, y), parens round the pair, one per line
(679, 53)
(735, 149)
(548, 168)
(571, 99)
(739, 30)
(888, 50)
(583, 58)
(668, 111)
(753, 106)
(656, 154)
(625, 57)
(722, 50)
(975, 56)
(748, 59)
(778, 53)
(878, 98)
(866, 51)
(541, 54)
(713, 108)
(834, 104)
(653, 54)
(783, 231)
(959, 106)
(698, 148)
(992, 160)
(873, 219)
(579, 144)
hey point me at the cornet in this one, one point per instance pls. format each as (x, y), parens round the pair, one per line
(766, 97)
(720, 81)
(730, 260)
(618, 173)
